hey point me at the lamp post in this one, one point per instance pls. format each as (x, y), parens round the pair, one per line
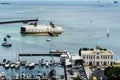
(64, 65)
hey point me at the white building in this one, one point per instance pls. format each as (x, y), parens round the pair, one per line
(97, 56)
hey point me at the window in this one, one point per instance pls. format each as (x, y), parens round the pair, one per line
(111, 57)
(83, 57)
(98, 53)
(97, 57)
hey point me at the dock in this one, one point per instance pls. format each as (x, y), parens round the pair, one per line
(49, 54)
(18, 21)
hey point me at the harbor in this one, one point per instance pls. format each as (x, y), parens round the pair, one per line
(30, 47)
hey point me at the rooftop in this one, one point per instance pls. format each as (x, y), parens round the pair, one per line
(96, 51)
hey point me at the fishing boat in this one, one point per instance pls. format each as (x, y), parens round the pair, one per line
(36, 29)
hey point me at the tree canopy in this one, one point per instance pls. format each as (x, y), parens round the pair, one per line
(113, 73)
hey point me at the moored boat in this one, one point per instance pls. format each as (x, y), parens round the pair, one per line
(38, 75)
(31, 66)
(7, 65)
(6, 43)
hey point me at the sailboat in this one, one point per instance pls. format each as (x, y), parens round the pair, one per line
(108, 32)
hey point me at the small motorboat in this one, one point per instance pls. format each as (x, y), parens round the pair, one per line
(38, 75)
(12, 65)
(17, 65)
(6, 44)
(47, 64)
(42, 62)
(28, 76)
(27, 65)
(22, 75)
(31, 66)
(16, 75)
(57, 51)
(48, 40)
(7, 65)
(115, 1)
(2, 76)
(52, 62)
(8, 36)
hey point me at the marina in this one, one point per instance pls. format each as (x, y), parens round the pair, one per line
(63, 26)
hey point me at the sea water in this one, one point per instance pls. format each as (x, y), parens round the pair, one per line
(84, 23)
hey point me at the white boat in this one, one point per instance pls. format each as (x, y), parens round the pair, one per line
(7, 65)
(42, 62)
(58, 51)
(38, 75)
(27, 65)
(2, 76)
(12, 65)
(48, 39)
(108, 33)
(22, 75)
(17, 65)
(16, 75)
(6, 43)
(41, 29)
(31, 66)
(47, 64)
(65, 56)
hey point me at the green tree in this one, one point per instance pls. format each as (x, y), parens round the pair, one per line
(77, 78)
(113, 73)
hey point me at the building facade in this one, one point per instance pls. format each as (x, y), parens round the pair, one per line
(97, 57)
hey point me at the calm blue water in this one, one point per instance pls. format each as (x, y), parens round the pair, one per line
(84, 25)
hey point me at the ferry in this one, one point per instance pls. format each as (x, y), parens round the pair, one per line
(57, 51)
(36, 29)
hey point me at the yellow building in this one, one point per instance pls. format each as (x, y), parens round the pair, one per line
(97, 56)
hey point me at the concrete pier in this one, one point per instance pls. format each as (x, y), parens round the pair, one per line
(18, 21)
(29, 54)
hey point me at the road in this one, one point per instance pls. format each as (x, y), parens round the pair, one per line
(99, 74)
